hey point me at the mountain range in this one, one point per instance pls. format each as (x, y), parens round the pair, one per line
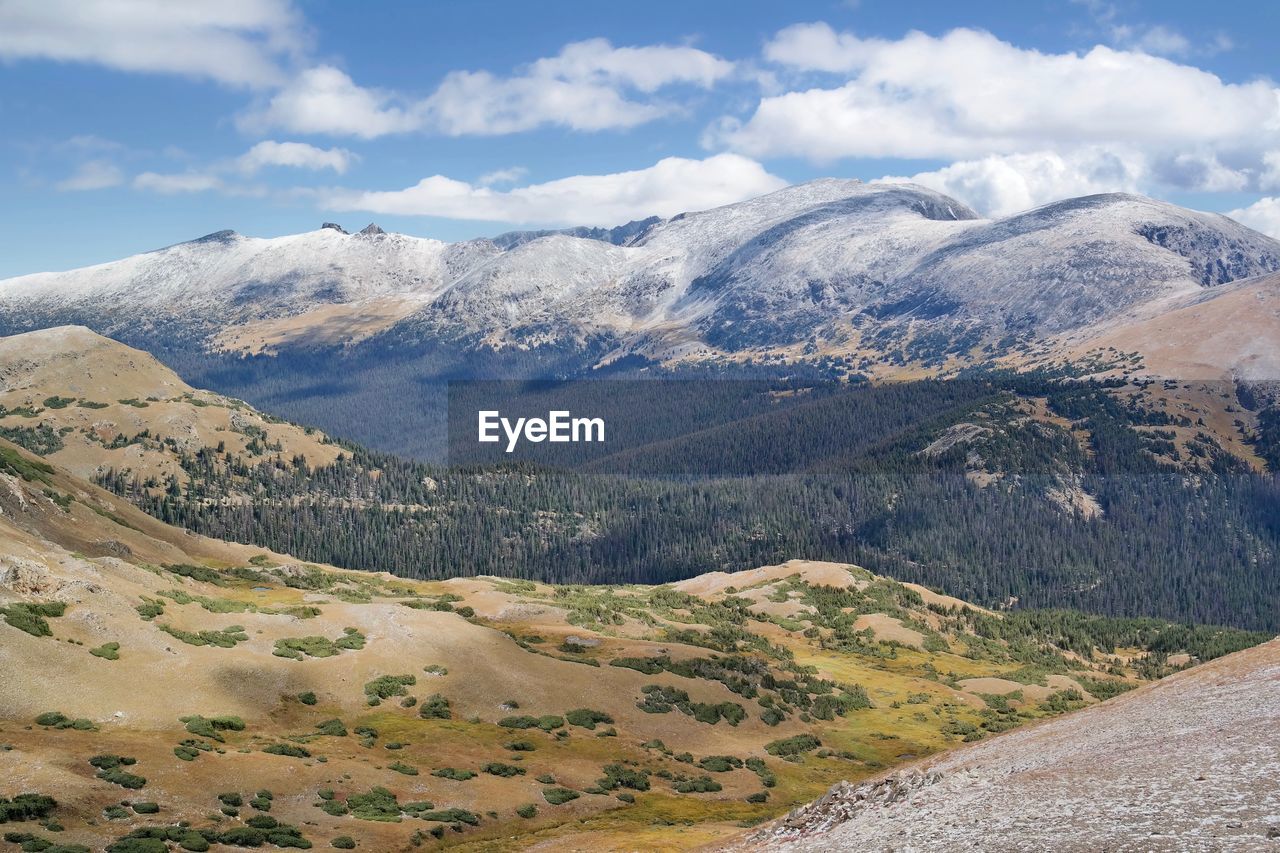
(851, 279)
(833, 263)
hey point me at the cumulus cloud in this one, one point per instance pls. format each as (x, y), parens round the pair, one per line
(93, 175)
(967, 94)
(325, 100)
(671, 186)
(590, 85)
(298, 155)
(1003, 184)
(1263, 215)
(235, 42)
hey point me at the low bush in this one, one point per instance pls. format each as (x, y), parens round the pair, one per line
(57, 720)
(454, 774)
(559, 796)
(111, 769)
(547, 723)
(700, 785)
(586, 718)
(288, 750)
(107, 651)
(33, 618)
(435, 707)
(27, 807)
(497, 768)
(212, 727)
(332, 728)
(792, 745)
(527, 811)
(386, 686)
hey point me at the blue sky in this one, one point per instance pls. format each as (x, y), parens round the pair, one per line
(133, 124)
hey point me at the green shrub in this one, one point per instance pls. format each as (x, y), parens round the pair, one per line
(145, 808)
(559, 796)
(547, 723)
(758, 797)
(386, 686)
(701, 785)
(454, 774)
(720, 763)
(332, 728)
(111, 769)
(108, 651)
(343, 842)
(57, 720)
(27, 807)
(586, 718)
(33, 618)
(792, 745)
(150, 609)
(435, 707)
(231, 798)
(225, 638)
(527, 811)
(451, 816)
(212, 727)
(497, 768)
(435, 669)
(618, 776)
(379, 804)
(307, 698)
(287, 749)
(406, 769)
(520, 746)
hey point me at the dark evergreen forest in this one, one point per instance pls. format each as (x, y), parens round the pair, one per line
(843, 472)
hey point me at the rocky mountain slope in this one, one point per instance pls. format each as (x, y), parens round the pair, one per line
(832, 264)
(159, 685)
(1190, 763)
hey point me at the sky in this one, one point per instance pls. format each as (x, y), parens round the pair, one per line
(128, 125)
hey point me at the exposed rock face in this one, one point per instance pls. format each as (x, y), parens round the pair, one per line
(1189, 763)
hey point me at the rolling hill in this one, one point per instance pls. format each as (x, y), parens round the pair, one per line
(162, 688)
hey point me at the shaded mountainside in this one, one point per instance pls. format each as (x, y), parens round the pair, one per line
(1189, 763)
(162, 687)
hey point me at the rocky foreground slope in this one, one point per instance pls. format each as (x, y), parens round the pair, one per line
(1191, 763)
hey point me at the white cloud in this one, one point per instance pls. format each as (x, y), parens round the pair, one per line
(968, 95)
(1270, 178)
(1003, 184)
(93, 175)
(295, 154)
(502, 176)
(589, 85)
(671, 186)
(184, 182)
(236, 42)
(325, 100)
(646, 68)
(1263, 215)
